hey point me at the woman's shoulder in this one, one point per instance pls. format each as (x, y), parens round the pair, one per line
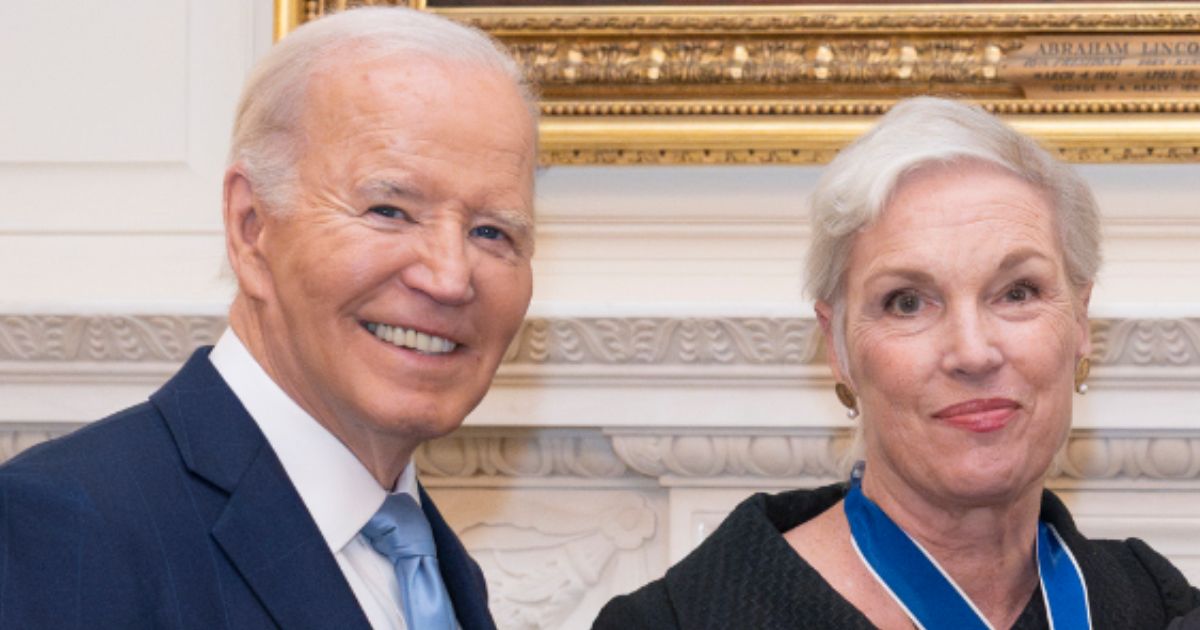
(752, 534)
(743, 575)
(647, 607)
(1148, 572)
(1125, 578)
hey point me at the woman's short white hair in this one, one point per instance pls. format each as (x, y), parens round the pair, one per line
(267, 134)
(923, 132)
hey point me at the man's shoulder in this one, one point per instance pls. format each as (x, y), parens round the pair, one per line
(89, 445)
(113, 456)
(79, 474)
(133, 437)
(55, 496)
(104, 527)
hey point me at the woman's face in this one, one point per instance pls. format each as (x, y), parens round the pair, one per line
(962, 334)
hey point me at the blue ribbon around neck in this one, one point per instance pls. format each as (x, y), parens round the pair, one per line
(930, 597)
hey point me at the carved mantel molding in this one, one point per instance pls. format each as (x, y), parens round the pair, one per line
(38, 339)
(738, 350)
(778, 457)
(30, 341)
(770, 458)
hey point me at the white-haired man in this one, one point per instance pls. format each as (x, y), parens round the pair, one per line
(378, 217)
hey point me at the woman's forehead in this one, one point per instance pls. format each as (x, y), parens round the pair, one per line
(946, 217)
(945, 195)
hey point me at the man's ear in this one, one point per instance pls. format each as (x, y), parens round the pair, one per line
(243, 234)
(825, 319)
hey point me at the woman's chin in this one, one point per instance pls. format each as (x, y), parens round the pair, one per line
(979, 484)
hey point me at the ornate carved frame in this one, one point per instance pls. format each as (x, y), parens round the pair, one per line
(793, 83)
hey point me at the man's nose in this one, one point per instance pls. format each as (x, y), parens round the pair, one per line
(969, 342)
(442, 269)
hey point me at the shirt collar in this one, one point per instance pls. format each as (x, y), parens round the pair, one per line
(339, 492)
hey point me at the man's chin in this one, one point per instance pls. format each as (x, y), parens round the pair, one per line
(418, 427)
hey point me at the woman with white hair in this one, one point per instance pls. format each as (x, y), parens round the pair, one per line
(951, 265)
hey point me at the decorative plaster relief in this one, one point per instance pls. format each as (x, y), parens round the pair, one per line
(566, 340)
(1146, 342)
(125, 338)
(661, 340)
(814, 455)
(553, 557)
(1087, 456)
(1161, 458)
(734, 455)
(520, 453)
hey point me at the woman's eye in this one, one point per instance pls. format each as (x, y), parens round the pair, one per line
(903, 303)
(391, 212)
(1021, 292)
(489, 232)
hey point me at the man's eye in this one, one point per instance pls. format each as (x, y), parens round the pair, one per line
(391, 212)
(903, 303)
(489, 232)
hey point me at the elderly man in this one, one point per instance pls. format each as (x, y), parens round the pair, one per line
(378, 219)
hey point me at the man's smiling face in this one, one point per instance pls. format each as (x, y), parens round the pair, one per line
(396, 279)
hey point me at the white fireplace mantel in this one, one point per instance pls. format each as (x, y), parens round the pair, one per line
(610, 446)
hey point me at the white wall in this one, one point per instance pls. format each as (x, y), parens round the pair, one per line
(669, 367)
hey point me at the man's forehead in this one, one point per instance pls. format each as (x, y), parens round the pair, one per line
(378, 118)
(420, 86)
(382, 75)
(341, 86)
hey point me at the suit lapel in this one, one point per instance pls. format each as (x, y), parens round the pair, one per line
(265, 529)
(271, 539)
(463, 579)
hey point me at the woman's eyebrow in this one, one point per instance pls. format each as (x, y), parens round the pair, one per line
(915, 276)
(1017, 257)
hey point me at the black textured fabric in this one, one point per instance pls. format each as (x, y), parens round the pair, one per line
(745, 575)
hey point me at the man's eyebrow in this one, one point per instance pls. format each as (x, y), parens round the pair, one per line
(388, 188)
(518, 220)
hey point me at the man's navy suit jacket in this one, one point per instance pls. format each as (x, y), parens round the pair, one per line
(176, 513)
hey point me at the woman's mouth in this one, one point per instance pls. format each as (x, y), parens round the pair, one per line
(981, 415)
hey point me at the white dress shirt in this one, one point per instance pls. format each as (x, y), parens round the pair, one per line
(339, 492)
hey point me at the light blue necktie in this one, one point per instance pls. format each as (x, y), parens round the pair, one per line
(400, 532)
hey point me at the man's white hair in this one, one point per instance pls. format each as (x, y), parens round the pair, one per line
(268, 137)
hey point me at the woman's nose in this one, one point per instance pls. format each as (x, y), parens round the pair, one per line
(971, 348)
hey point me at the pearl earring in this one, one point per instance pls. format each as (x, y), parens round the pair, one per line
(1082, 369)
(848, 399)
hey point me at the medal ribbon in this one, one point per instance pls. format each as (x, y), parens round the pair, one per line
(930, 597)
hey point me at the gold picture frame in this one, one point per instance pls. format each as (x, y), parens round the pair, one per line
(667, 83)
